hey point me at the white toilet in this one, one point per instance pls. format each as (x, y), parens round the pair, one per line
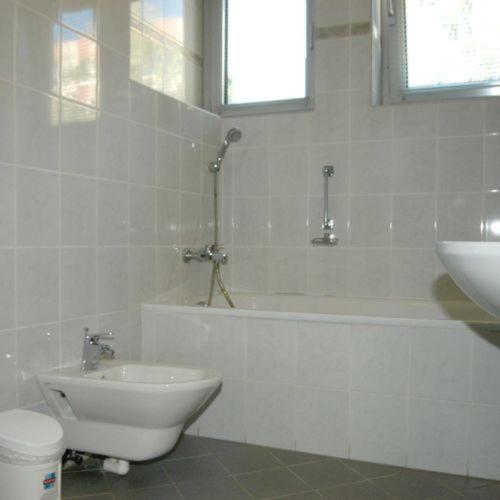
(31, 446)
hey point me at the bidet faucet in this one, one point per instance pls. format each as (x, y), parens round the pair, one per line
(93, 351)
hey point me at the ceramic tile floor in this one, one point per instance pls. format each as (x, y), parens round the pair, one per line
(209, 469)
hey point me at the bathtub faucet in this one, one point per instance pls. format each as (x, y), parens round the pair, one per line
(207, 253)
(93, 351)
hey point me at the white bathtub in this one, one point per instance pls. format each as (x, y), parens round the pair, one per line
(408, 383)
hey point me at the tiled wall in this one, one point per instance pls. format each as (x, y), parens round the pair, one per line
(421, 397)
(406, 177)
(167, 47)
(95, 199)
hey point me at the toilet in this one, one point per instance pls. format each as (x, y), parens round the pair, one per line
(31, 447)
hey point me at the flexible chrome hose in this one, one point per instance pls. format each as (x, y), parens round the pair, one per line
(216, 274)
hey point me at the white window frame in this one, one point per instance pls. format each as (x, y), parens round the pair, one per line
(213, 71)
(387, 85)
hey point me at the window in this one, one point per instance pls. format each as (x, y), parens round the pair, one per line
(265, 56)
(434, 49)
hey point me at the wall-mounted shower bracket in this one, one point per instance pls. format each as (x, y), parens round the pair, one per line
(328, 225)
(208, 253)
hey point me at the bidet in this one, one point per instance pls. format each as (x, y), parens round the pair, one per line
(126, 410)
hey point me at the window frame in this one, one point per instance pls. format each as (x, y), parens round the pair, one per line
(387, 87)
(213, 70)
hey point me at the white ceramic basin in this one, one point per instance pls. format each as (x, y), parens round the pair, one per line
(475, 267)
(126, 410)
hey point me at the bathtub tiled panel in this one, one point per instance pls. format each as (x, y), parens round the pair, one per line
(406, 176)
(96, 175)
(412, 396)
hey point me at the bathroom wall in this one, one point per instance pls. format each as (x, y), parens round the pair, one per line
(100, 184)
(167, 47)
(406, 176)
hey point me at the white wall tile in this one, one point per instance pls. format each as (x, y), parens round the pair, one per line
(287, 270)
(370, 221)
(114, 24)
(379, 359)
(322, 421)
(327, 271)
(250, 221)
(37, 293)
(38, 350)
(437, 440)
(112, 148)
(269, 410)
(141, 154)
(7, 205)
(369, 122)
(484, 441)
(112, 213)
(332, 68)
(288, 172)
(8, 371)
(413, 223)
(7, 281)
(114, 88)
(78, 282)
(37, 129)
(412, 273)
(178, 339)
(78, 211)
(7, 122)
(142, 215)
(37, 51)
(141, 275)
(378, 428)
(7, 40)
(329, 121)
(112, 279)
(441, 363)
(223, 345)
(461, 118)
(486, 374)
(78, 139)
(371, 167)
(368, 273)
(459, 217)
(323, 355)
(225, 416)
(167, 160)
(272, 350)
(288, 221)
(415, 120)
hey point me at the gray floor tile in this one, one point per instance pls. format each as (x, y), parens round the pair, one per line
(168, 492)
(248, 460)
(356, 491)
(217, 488)
(140, 476)
(83, 483)
(461, 483)
(287, 457)
(412, 485)
(221, 446)
(89, 463)
(486, 493)
(104, 496)
(272, 483)
(193, 469)
(306, 495)
(370, 471)
(187, 447)
(326, 474)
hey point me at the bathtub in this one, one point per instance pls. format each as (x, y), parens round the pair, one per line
(400, 382)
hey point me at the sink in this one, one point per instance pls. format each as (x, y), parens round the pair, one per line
(126, 410)
(475, 267)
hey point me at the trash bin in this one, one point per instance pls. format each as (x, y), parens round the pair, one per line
(31, 447)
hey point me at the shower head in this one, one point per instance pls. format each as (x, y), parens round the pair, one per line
(233, 135)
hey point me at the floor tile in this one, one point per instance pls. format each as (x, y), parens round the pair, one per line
(272, 483)
(370, 471)
(217, 488)
(187, 447)
(412, 485)
(168, 492)
(325, 474)
(83, 483)
(89, 463)
(221, 446)
(248, 460)
(140, 476)
(193, 469)
(486, 493)
(104, 496)
(306, 495)
(356, 491)
(461, 483)
(287, 457)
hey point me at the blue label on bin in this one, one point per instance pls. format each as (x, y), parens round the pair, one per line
(49, 481)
